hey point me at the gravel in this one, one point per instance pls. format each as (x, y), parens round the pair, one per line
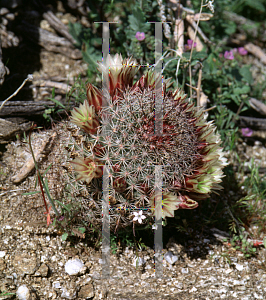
(34, 265)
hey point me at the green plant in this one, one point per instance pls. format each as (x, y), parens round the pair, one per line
(50, 112)
(228, 86)
(240, 243)
(254, 200)
(4, 294)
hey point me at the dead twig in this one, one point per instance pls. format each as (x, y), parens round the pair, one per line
(256, 51)
(58, 85)
(254, 123)
(30, 77)
(258, 106)
(58, 26)
(191, 21)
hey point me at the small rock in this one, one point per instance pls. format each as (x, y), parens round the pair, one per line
(10, 16)
(178, 284)
(2, 267)
(184, 270)
(222, 291)
(86, 291)
(4, 11)
(4, 21)
(8, 130)
(170, 257)
(239, 267)
(74, 267)
(42, 271)
(256, 296)
(23, 292)
(69, 292)
(96, 275)
(238, 282)
(56, 285)
(2, 264)
(193, 290)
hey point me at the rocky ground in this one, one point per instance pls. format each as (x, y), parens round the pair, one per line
(36, 260)
(36, 264)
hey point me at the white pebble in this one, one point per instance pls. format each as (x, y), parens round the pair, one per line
(193, 290)
(23, 292)
(74, 266)
(239, 267)
(170, 257)
(56, 284)
(2, 253)
(184, 270)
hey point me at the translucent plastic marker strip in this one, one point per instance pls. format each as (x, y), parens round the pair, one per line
(158, 84)
(105, 225)
(158, 236)
(106, 187)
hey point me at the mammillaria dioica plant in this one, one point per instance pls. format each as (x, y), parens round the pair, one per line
(119, 131)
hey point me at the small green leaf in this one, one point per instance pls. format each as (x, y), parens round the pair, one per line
(63, 205)
(31, 193)
(82, 229)
(64, 236)
(57, 102)
(47, 169)
(75, 29)
(246, 74)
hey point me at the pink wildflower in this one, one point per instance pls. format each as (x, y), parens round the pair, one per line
(189, 44)
(247, 132)
(229, 55)
(140, 36)
(242, 51)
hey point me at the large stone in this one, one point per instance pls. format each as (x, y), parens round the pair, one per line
(25, 263)
(8, 130)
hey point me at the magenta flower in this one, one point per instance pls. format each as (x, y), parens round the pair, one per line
(242, 51)
(229, 55)
(140, 36)
(189, 44)
(247, 132)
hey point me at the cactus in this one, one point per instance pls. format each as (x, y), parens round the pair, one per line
(118, 128)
